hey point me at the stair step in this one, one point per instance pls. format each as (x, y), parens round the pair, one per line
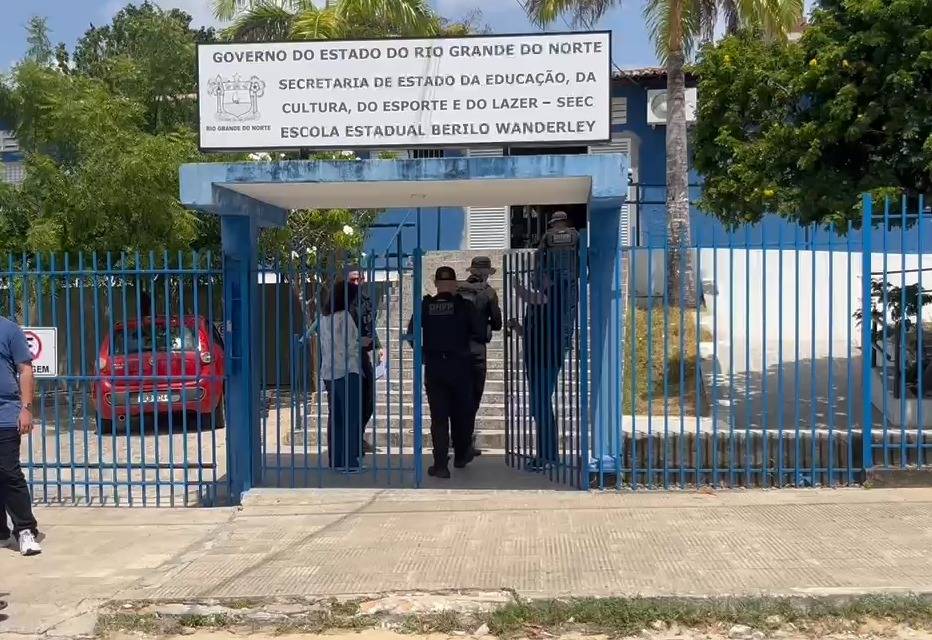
(486, 440)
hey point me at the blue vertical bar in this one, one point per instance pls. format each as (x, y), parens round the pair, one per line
(797, 446)
(904, 336)
(813, 436)
(666, 359)
(765, 408)
(698, 368)
(584, 424)
(418, 398)
(867, 211)
(649, 370)
(849, 314)
(619, 312)
(86, 378)
(830, 464)
(920, 358)
(507, 359)
(780, 381)
(681, 455)
(170, 418)
(732, 450)
(100, 397)
(747, 356)
(884, 332)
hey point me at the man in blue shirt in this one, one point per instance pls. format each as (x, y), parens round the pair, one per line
(17, 386)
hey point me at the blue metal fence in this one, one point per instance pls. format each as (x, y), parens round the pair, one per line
(133, 414)
(767, 376)
(774, 362)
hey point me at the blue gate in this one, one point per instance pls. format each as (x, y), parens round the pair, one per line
(546, 363)
(341, 401)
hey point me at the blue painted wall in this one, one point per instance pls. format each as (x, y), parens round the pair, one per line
(441, 230)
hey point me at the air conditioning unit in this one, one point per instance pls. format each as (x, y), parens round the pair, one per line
(657, 106)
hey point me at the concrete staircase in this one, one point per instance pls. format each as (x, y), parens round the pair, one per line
(393, 420)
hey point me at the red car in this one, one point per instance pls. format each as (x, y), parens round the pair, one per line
(161, 365)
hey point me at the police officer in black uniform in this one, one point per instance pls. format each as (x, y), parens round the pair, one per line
(449, 324)
(560, 235)
(477, 290)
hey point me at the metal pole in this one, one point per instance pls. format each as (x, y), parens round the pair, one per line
(866, 346)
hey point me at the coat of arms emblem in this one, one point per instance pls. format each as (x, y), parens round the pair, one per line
(237, 98)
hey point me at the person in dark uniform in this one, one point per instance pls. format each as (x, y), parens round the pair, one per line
(547, 332)
(560, 234)
(477, 290)
(449, 324)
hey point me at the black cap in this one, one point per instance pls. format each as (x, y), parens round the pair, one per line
(445, 274)
(558, 216)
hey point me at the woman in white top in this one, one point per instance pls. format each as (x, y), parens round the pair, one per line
(340, 366)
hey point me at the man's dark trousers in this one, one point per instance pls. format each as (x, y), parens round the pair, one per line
(368, 388)
(448, 383)
(14, 492)
(478, 367)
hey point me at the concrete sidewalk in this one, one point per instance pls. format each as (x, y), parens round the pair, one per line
(341, 542)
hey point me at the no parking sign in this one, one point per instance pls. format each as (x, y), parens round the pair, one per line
(43, 344)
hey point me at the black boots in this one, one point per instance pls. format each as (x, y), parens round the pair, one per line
(437, 471)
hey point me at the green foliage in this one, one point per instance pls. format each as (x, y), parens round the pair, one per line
(38, 45)
(801, 129)
(95, 180)
(147, 55)
(305, 20)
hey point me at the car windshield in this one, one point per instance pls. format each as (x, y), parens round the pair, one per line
(149, 338)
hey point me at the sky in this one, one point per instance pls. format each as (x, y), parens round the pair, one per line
(69, 19)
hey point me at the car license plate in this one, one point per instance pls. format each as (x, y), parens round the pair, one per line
(161, 396)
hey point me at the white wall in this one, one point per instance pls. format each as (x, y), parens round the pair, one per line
(745, 292)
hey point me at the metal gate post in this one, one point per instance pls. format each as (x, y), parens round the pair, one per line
(583, 391)
(418, 372)
(239, 234)
(867, 373)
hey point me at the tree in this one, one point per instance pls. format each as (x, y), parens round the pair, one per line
(94, 179)
(305, 20)
(801, 129)
(677, 26)
(38, 45)
(147, 54)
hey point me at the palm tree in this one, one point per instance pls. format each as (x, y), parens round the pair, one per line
(677, 26)
(304, 20)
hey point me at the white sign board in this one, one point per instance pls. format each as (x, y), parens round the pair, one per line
(546, 88)
(43, 344)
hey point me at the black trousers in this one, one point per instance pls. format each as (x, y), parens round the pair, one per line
(448, 382)
(479, 367)
(14, 493)
(368, 388)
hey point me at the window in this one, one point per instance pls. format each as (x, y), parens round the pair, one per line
(423, 154)
(159, 338)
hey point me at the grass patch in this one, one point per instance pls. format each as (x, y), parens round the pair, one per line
(613, 617)
(665, 353)
(622, 616)
(210, 621)
(127, 622)
(444, 622)
(325, 621)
